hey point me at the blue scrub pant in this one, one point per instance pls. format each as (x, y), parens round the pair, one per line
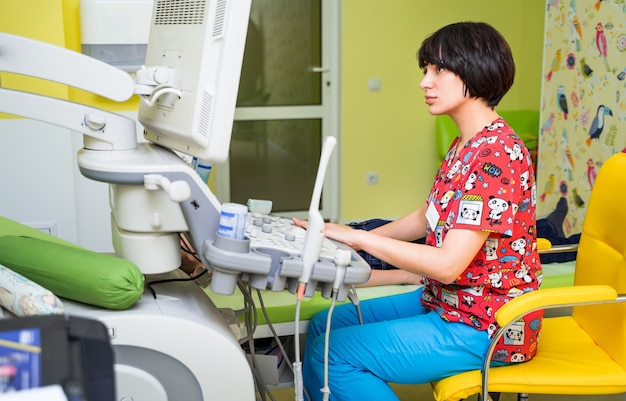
(399, 342)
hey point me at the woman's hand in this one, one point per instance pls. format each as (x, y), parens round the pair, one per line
(338, 232)
(343, 233)
(300, 223)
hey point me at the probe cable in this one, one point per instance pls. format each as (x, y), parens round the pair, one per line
(297, 365)
(326, 390)
(342, 260)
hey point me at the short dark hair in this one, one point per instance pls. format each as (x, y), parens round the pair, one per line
(477, 53)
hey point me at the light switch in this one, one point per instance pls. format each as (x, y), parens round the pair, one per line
(374, 84)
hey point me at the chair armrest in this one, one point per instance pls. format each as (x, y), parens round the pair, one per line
(545, 246)
(554, 298)
(560, 248)
(543, 299)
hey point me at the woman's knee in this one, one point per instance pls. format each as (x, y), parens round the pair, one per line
(317, 324)
(315, 354)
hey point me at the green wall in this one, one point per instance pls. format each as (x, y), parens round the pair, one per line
(391, 131)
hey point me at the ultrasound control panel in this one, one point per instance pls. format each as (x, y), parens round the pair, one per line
(277, 232)
(270, 257)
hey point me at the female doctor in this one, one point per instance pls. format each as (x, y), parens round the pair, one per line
(480, 250)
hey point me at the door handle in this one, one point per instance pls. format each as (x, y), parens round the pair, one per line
(320, 69)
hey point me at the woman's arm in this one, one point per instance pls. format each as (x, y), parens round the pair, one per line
(391, 277)
(407, 228)
(390, 243)
(443, 264)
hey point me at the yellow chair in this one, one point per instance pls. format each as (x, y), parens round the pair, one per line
(581, 353)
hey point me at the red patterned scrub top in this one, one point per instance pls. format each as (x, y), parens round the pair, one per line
(489, 186)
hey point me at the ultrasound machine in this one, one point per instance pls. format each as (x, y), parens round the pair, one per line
(177, 345)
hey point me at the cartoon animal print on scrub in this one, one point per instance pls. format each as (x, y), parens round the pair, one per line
(497, 206)
(491, 248)
(453, 171)
(515, 153)
(524, 178)
(524, 274)
(496, 125)
(470, 210)
(519, 245)
(496, 279)
(445, 200)
(515, 334)
(470, 183)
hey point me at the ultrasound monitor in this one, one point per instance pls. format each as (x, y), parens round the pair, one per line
(194, 56)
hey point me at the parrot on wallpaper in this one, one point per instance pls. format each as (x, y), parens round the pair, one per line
(547, 124)
(552, 3)
(591, 173)
(568, 160)
(601, 44)
(585, 70)
(578, 201)
(597, 125)
(575, 26)
(561, 100)
(547, 190)
(556, 64)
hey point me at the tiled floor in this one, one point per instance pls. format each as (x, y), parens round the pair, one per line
(423, 393)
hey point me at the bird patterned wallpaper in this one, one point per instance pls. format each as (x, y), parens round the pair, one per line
(583, 109)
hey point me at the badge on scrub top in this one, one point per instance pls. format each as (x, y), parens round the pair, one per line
(432, 216)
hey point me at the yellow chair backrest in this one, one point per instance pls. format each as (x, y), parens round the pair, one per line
(601, 257)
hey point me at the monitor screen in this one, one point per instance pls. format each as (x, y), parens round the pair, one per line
(194, 54)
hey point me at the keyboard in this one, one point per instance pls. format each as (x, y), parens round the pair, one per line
(280, 234)
(271, 258)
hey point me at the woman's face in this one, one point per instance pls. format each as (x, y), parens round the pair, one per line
(443, 90)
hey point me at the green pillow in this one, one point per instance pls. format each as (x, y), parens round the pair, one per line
(72, 272)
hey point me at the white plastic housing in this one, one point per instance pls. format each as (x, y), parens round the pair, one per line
(205, 48)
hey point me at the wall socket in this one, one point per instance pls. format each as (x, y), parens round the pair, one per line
(371, 178)
(47, 227)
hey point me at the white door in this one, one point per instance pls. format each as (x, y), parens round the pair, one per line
(287, 105)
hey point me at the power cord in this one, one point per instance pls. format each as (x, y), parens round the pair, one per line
(271, 327)
(251, 320)
(354, 298)
(171, 280)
